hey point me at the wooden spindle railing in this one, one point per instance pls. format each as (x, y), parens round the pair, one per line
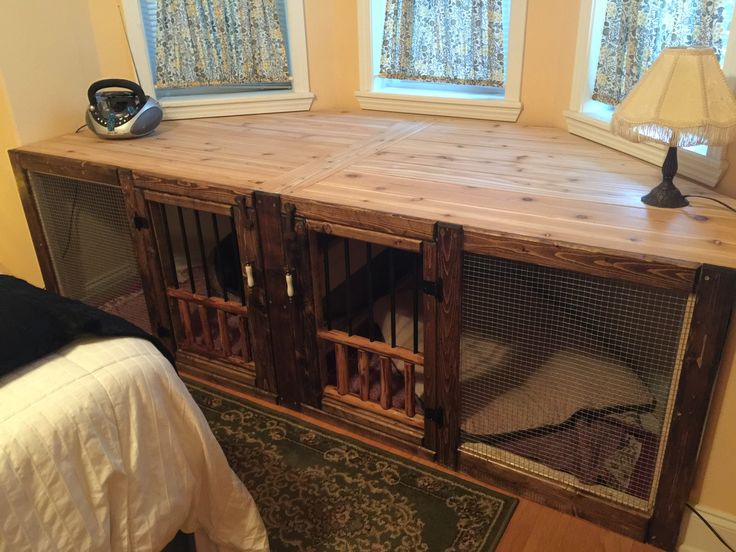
(186, 321)
(245, 351)
(224, 333)
(409, 394)
(385, 383)
(341, 361)
(364, 375)
(206, 331)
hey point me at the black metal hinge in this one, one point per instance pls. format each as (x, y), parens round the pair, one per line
(437, 415)
(433, 288)
(140, 222)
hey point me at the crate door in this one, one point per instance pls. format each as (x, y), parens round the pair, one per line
(370, 313)
(210, 268)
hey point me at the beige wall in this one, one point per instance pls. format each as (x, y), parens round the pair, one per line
(64, 48)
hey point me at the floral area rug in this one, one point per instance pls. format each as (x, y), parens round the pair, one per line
(319, 491)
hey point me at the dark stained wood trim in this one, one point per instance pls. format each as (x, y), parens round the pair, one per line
(34, 223)
(447, 368)
(377, 221)
(380, 238)
(316, 261)
(577, 503)
(659, 274)
(259, 325)
(66, 167)
(195, 190)
(365, 344)
(200, 369)
(288, 378)
(395, 415)
(714, 301)
(144, 246)
(211, 302)
(188, 202)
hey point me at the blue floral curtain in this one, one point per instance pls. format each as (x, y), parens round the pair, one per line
(219, 42)
(453, 41)
(636, 31)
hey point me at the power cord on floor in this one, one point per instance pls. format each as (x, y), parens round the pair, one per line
(709, 526)
(80, 128)
(726, 205)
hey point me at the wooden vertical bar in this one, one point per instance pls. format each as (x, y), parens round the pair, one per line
(409, 393)
(317, 244)
(206, 330)
(218, 258)
(245, 351)
(341, 364)
(348, 280)
(385, 383)
(187, 252)
(442, 368)
(186, 321)
(364, 375)
(429, 309)
(259, 325)
(224, 333)
(715, 291)
(202, 254)
(302, 308)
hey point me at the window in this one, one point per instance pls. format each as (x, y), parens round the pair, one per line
(459, 57)
(220, 57)
(618, 41)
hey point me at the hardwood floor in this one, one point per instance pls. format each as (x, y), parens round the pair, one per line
(533, 527)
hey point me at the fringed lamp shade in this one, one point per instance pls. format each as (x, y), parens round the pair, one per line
(682, 100)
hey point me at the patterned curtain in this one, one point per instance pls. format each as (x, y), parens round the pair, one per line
(453, 41)
(636, 31)
(219, 42)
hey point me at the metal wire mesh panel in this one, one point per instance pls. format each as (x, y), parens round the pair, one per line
(86, 229)
(569, 376)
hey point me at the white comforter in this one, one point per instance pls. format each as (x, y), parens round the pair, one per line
(103, 448)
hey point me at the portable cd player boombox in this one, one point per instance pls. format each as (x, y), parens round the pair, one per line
(126, 113)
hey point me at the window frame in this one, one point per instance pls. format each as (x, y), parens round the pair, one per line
(591, 119)
(506, 107)
(299, 98)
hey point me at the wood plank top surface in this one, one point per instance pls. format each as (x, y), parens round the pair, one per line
(496, 178)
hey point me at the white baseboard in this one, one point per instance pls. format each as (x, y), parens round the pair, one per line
(696, 537)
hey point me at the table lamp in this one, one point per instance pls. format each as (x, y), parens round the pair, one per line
(682, 100)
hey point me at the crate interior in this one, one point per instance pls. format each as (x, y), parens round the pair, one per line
(86, 229)
(201, 250)
(374, 293)
(569, 376)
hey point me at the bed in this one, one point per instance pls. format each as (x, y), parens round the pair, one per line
(103, 448)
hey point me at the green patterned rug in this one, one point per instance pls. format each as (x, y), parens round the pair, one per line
(319, 491)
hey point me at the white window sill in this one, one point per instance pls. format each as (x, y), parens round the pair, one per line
(218, 105)
(699, 168)
(474, 106)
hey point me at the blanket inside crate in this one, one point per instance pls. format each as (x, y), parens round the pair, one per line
(577, 413)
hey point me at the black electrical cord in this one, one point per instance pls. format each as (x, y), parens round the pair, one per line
(726, 205)
(709, 526)
(80, 128)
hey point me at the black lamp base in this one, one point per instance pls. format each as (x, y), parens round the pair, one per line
(666, 194)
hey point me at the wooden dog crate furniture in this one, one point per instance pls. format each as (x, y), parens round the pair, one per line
(490, 295)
